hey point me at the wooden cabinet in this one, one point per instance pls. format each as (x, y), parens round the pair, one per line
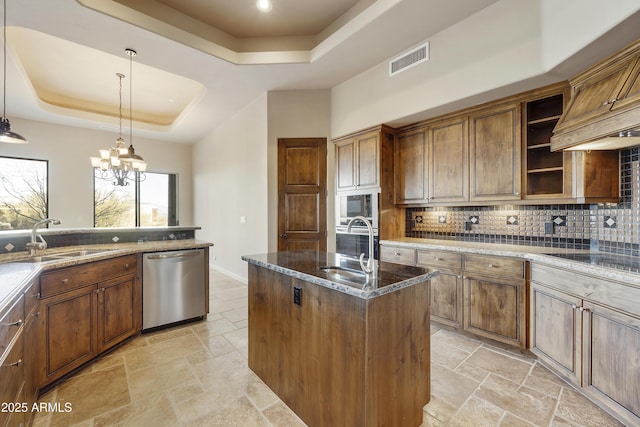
(594, 345)
(87, 309)
(431, 163)
(446, 288)
(12, 364)
(398, 255)
(337, 359)
(33, 355)
(556, 176)
(495, 298)
(358, 160)
(604, 100)
(495, 153)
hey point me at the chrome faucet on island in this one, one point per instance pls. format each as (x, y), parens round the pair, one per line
(371, 267)
(34, 245)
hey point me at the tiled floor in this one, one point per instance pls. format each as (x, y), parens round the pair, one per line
(197, 375)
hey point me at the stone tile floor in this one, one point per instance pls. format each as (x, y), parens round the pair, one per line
(197, 375)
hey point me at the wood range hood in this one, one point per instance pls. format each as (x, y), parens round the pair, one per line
(604, 110)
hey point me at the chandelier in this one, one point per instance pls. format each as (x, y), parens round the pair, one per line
(120, 164)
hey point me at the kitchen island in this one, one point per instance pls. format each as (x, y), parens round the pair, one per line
(337, 348)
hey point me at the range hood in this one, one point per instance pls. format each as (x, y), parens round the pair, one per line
(614, 142)
(603, 112)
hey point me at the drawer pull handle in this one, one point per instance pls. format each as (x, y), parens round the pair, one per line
(16, 323)
(37, 296)
(490, 265)
(65, 281)
(437, 259)
(18, 363)
(396, 253)
(574, 307)
(126, 266)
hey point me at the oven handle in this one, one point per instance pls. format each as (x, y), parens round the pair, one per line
(356, 230)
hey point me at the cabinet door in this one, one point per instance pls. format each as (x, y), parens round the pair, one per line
(446, 299)
(495, 154)
(630, 92)
(495, 309)
(410, 182)
(70, 330)
(448, 161)
(611, 345)
(595, 95)
(555, 330)
(345, 165)
(116, 311)
(368, 160)
(12, 377)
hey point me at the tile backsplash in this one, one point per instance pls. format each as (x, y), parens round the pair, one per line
(606, 227)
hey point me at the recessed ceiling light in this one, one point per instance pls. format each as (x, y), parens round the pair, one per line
(263, 5)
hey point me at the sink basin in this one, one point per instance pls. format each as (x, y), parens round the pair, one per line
(344, 271)
(64, 255)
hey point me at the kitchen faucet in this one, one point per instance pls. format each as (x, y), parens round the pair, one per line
(33, 246)
(371, 268)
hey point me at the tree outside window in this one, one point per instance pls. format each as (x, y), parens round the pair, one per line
(151, 202)
(23, 192)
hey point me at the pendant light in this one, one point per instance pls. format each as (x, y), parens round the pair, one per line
(120, 164)
(5, 127)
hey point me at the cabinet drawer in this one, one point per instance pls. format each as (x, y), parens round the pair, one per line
(66, 279)
(12, 373)
(505, 268)
(9, 325)
(440, 260)
(116, 267)
(398, 255)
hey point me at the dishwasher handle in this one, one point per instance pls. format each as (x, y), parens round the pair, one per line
(174, 255)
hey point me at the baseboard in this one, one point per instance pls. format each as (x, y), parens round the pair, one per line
(229, 273)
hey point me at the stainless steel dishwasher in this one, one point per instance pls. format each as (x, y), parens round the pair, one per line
(173, 287)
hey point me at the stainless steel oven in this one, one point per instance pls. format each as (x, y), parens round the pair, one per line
(352, 205)
(357, 241)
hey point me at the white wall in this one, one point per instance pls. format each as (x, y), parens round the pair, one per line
(230, 182)
(299, 114)
(70, 173)
(504, 49)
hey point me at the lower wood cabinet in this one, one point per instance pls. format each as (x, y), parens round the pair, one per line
(480, 294)
(594, 345)
(82, 322)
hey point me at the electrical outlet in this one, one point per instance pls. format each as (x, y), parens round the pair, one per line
(548, 227)
(467, 225)
(297, 295)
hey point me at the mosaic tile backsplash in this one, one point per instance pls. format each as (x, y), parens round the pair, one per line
(611, 228)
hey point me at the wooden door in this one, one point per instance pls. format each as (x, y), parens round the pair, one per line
(70, 330)
(555, 330)
(410, 165)
(449, 161)
(494, 151)
(302, 194)
(116, 311)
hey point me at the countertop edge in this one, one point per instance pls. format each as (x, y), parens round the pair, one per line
(353, 291)
(530, 253)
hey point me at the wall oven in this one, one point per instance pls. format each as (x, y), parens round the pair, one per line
(357, 241)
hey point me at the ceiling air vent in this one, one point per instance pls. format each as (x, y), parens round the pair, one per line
(408, 60)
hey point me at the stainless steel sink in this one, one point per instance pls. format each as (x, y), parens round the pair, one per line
(65, 255)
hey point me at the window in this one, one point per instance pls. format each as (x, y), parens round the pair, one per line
(23, 192)
(151, 202)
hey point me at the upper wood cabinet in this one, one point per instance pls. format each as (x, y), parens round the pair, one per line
(358, 160)
(495, 153)
(431, 163)
(605, 99)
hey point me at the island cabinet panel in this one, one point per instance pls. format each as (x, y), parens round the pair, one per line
(336, 359)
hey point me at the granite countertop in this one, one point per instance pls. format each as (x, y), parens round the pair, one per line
(580, 261)
(305, 265)
(16, 272)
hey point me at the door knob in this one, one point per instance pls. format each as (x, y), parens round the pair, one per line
(284, 236)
